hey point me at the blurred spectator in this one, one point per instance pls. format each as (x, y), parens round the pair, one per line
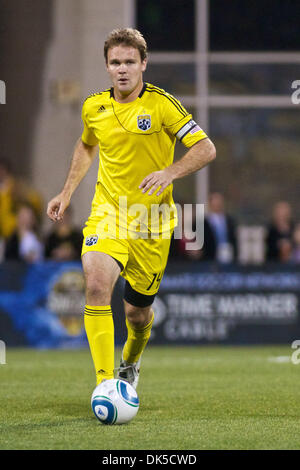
(295, 256)
(219, 232)
(285, 250)
(280, 233)
(24, 244)
(13, 193)
(178, 249)
(209, 250)
(7, 201)
(65, 241)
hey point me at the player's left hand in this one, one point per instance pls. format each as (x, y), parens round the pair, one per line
(158, 179)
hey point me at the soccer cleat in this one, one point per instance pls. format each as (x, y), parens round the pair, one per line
(129, 372)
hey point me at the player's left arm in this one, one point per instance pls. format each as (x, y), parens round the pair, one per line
(197, 157)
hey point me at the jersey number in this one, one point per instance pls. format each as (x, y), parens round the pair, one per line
(156, 277)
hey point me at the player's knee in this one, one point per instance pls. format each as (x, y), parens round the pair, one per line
(97, 292)
(138, 317)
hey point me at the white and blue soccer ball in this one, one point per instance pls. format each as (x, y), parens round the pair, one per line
(115, 401)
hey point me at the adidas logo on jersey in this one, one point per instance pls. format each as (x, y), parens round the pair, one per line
(101, 109)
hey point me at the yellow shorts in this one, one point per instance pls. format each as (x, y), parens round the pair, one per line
(144, 259)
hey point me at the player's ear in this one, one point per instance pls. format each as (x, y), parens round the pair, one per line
(144, 65)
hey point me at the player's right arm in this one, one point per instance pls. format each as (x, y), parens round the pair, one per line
(82, 159)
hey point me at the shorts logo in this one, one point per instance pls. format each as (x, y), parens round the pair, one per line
(144, 122)
(92, 240)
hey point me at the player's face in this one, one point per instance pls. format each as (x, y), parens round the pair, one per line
(125, 68)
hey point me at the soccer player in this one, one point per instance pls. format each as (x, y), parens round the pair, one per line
(135, 125)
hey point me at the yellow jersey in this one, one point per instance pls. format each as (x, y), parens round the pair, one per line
(136, 139)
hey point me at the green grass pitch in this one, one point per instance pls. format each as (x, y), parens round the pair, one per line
(190, 398)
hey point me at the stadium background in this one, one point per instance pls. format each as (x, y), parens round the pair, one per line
(233, 68)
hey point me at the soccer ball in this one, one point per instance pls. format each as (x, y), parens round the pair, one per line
(114, 401)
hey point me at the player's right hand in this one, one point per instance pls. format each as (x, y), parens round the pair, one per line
(57, 206)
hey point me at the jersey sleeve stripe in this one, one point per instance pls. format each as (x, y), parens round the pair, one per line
(169, 98)
(179, 104)
(96, 94)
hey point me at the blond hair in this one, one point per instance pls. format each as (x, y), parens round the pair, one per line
(128, 37)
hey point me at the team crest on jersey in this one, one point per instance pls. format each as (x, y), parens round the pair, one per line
(144, 122)
(92, 240)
